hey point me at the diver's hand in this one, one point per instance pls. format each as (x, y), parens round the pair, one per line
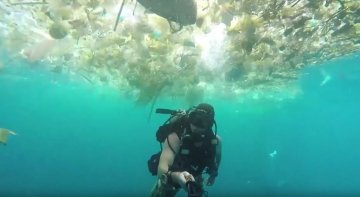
(210, 181)
(181, 178)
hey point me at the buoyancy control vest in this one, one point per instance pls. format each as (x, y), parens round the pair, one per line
(195, 158)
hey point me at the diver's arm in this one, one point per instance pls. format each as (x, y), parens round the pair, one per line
(166, 160)
(167, 155)
(218, 152)
(214, 172)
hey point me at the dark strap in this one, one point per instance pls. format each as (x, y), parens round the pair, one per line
(167, 139)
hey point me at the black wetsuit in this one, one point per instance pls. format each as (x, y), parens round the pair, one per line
(195, 159)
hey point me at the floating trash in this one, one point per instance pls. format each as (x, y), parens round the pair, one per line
(4, 134)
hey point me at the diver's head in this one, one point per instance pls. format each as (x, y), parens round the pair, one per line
(201, 117)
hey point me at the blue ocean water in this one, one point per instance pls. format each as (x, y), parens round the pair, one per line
(77, 139)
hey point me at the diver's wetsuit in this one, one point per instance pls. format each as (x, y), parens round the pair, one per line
(190, 158)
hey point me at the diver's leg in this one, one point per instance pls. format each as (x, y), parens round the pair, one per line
(156, 190)
(163, 190)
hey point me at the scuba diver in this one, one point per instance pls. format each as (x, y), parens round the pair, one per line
(189, 148)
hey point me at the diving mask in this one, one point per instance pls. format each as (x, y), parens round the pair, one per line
(200, 118)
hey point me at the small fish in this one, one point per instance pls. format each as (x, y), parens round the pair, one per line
(4, 134)
(326, 77)
(273, 154)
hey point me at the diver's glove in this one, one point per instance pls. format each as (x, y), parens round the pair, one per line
(211, 180)
(212, 176)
